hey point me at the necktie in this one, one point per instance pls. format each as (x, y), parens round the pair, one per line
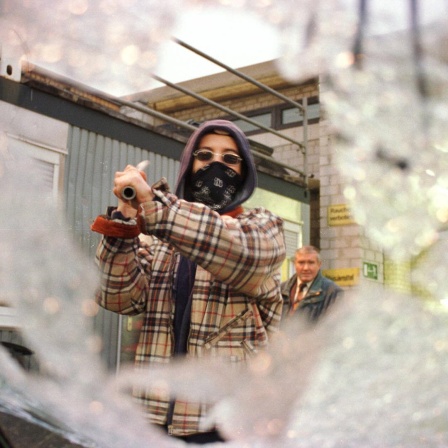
(298, 296)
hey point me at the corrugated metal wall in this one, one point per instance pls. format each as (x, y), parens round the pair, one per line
(91, 164)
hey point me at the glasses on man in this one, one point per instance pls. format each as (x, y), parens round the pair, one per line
(205, 155)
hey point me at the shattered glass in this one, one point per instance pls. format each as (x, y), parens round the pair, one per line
(372, 373)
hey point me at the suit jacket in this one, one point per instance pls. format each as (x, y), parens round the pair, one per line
(320, 295)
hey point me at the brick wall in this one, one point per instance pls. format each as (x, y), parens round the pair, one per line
(343, 246)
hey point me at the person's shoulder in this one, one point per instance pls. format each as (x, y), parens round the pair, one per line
(260, 213)
(262, 218)
(337, 287)
(328, 282)
(286, 283)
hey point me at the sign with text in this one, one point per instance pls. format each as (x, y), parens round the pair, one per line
(343, 277)
(339, 215)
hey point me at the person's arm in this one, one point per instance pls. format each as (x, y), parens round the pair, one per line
(245, 253)
(124, 263)
(125, 267)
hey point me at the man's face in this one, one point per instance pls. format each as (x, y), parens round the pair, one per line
(219, 145)
(307, 266)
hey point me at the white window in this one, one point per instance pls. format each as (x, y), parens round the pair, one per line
(48, 166)
(47, 161)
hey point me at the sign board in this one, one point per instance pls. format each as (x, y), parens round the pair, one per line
(370, 270)
(339, 215)
(343, 277)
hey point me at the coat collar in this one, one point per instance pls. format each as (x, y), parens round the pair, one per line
(235, 212)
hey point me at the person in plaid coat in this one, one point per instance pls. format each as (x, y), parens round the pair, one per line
(207, 281)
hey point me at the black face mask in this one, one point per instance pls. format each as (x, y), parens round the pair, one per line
(215, 185)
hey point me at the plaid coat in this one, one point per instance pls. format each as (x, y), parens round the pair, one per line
(236, 300)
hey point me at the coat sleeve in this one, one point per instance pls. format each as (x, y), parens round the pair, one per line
(125, 267)
(244, 252)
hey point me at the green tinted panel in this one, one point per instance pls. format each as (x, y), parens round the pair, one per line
(286, 208)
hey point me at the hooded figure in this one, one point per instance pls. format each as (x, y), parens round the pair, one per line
(208, 283)
(249, 177)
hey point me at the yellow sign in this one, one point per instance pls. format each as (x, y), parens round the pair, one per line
(339, 215)
(343, 277)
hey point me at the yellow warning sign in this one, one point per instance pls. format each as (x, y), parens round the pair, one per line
(339, 215)
(343, 277)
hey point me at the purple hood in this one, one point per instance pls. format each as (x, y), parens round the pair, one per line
(249, 171)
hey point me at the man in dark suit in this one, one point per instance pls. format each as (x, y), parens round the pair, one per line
(308, 291)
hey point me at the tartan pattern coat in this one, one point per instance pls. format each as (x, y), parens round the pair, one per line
(236, 299)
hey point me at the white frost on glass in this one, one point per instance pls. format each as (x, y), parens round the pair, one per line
(374, 373)
(110, 45)
(51, 285)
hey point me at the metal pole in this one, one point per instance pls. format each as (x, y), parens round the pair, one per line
(226, 109)
(39, 72)
(241, 75)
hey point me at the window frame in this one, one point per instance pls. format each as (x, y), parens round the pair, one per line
(42, 153)
(276, 112)
(312, 100)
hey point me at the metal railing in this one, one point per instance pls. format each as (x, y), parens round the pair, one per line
(35, 71)
(301, 107)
